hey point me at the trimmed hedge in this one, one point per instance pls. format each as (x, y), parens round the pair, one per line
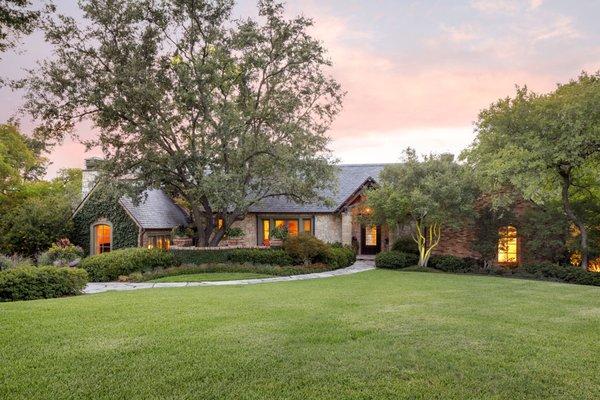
(395, 260)
(449, 263)
(254, 256)
(109, 266)
(30, 283)
(568, 274)
(306, 249)
(277, 270)
(340, 257)
(406, 245)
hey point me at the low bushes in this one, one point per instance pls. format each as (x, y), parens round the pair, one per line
(305, 249)
(109, 266)
(562, 273)
(449, 263)
(395, 260)
(255, 256)
(341, 257)
(277, 270)
(62, 253)
(30, 283)
(406, 245)
(14, 262)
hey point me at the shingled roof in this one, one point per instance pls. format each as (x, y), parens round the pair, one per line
(155, 211)
(351, 177)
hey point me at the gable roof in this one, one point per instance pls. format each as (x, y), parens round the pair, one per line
(351, 178)
(155, 211)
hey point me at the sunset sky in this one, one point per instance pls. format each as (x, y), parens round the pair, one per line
(416, 72)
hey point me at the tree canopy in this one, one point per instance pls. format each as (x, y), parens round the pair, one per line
(221, 113)
(16, 18)
(432, 193)
(547, 146)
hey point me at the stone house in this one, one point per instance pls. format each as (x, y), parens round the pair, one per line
(106, 224)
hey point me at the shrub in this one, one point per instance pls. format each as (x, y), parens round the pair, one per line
(562, 273)
(108, 266)
(279, 232)
(277, 270)
(448, 263)
(62, 253)
(29, 283)
(341, 257)
(406, 245)
(254, 256)
(15, 261)
(395, 260)
(260, 256)
(234, 232)
(306, 249)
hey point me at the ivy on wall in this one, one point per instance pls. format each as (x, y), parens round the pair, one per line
(104, 203)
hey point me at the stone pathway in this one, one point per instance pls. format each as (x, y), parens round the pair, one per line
(358, 266)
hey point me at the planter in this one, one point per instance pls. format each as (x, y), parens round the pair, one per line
(232, 242)
(273, 242)
(183, 241)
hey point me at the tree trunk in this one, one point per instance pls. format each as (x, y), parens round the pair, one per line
(565, 173)
(427, 239)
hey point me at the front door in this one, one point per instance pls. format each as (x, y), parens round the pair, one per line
(370, 239)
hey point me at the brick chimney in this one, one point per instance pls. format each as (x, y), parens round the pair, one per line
(90, 174)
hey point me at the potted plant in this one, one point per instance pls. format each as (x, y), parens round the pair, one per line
(278, 235)
(182, 236)
(233, 237)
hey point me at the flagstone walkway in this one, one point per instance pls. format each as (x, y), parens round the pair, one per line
(358, 266)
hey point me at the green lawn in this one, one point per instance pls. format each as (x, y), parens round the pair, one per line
(208, 277)
(373, 335)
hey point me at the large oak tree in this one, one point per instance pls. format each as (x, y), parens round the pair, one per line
(547, 146)
(222, 113)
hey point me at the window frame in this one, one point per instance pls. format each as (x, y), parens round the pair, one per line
(151, 240)
(93, 236)
(507, 234)
(272, 218)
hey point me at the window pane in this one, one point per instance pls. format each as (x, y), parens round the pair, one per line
(266, 230)
(102, 234)
(507, 245)
(371, 235)
(292, 225)
(279, 223)
(307, 226)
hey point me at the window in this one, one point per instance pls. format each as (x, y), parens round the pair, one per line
(102, 238)
(295, 225)
(507, 245)
(266, 231)
(159, 242)
(371, 235)
(307, 224)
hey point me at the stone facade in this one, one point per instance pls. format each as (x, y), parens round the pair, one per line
(328, 227)
(248, 226)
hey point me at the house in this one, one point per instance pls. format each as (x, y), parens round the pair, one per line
(108, 221)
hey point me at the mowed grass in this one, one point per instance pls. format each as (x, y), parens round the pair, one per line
(211, 277)
(373, 335)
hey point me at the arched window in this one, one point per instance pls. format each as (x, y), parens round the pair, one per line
(102, 238)
(507, 245)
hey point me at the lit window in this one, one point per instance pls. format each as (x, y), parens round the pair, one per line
(159, 242)
(102, 239)
(266, 231)
(507, 245)
(307, 226)
(292, 225)
(219, 223)
(279, 223)
(371, 236)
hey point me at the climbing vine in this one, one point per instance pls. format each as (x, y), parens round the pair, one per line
(104, 203)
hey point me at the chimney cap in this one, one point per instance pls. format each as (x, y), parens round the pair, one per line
(93, 163)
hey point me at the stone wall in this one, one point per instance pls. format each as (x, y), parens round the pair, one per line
(248, 225)
(328, 227)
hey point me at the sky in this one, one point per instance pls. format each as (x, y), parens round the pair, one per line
(416, 73)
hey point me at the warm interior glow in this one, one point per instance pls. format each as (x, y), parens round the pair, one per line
(371, 236)
(160, 242)
(102, 237)
(593, 264)
(292, 225)
(507, 244)
(266, 231)
(307, 226)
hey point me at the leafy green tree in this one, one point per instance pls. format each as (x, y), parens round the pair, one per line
(18, 163)
(221, 113)
(545, 146)
(42, 214)
(432, 194)
(16, 18)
